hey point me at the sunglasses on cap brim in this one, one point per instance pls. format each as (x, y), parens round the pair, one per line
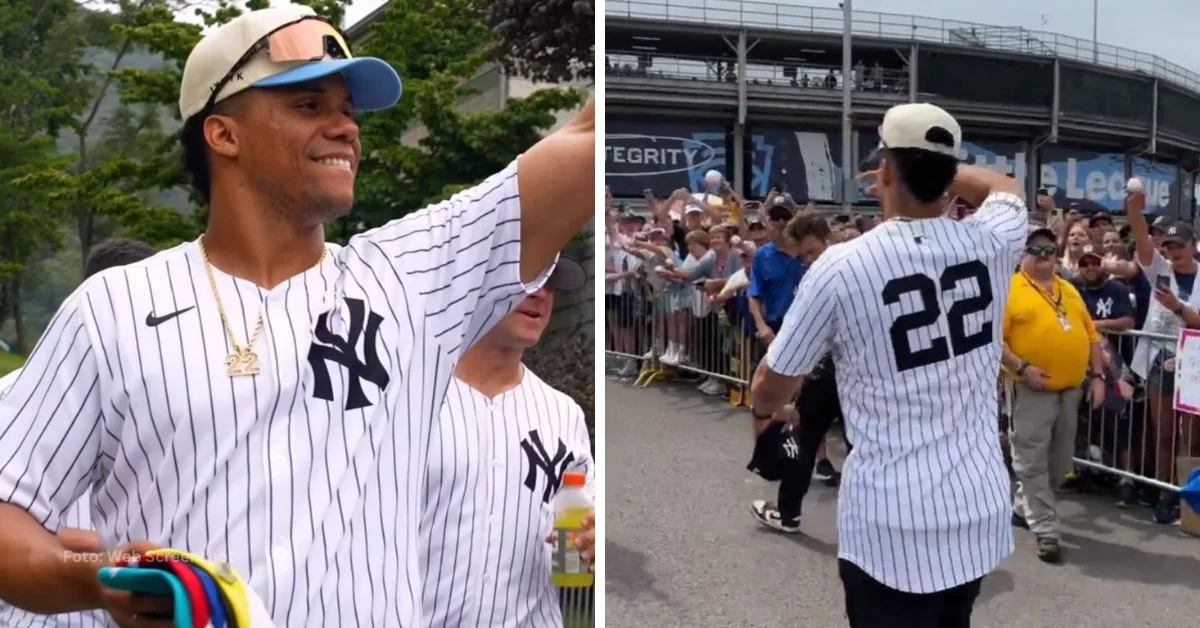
(308, 39)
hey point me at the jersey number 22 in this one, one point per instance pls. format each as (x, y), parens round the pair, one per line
(927, 290)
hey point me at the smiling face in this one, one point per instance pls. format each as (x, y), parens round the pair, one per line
(296, 145)
(1111, 241)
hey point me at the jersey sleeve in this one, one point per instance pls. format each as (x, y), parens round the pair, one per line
(461, 256)
(1007, 217)
(807, 331)
(50, 420)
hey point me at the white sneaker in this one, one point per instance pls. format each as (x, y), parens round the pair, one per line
(671, 356)
(713, 387)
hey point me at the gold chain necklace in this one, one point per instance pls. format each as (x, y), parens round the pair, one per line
(242, 361)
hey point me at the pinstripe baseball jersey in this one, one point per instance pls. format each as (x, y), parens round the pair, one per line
(494, 467)
(77, 515)
(911, 311)
(308, 477)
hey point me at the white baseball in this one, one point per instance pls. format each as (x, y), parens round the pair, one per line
(1134, 186)
(714, 178)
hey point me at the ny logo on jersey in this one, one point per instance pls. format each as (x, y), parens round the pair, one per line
(334, 348)
(553, 467)
(1104, 307)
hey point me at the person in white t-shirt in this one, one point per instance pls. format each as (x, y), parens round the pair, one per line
(1170, 267)
(910, 312)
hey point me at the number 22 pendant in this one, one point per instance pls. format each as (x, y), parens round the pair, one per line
(241, 362)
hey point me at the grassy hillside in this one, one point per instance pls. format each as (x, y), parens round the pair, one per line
(10, 362)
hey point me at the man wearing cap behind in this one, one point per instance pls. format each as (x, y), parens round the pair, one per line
(1170, 267)
(498, 454)
(907, 310)
(1050, 345)
(265, 398)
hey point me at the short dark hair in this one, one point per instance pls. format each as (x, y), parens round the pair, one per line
(925, 174)
(779, 211)
(115, 252)
(195, 148)
(806, 224)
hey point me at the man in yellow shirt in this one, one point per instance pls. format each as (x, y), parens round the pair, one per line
(1050, 344)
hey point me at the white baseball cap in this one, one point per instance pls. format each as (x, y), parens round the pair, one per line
(276, 47)
(921, 126)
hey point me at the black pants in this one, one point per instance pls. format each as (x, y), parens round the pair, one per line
(872, 604)
(819, 407)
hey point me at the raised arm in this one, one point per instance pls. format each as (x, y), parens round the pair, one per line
(464, 263)
(1135, 213)
(557, 183)
(1002, 208)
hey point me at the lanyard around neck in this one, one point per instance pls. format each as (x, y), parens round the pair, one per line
(1054, 300)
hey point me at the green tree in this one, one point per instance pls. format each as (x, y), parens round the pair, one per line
(437, 46)
(42, 86)
(542, 40)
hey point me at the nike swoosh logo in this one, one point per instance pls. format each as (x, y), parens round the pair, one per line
(155, 321)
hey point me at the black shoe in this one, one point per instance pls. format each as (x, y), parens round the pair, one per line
(1147, 496)
(1166, 511)
(1126, 495)
(824, 471)
(768, 514)
(1019, 522)
(1048, 550)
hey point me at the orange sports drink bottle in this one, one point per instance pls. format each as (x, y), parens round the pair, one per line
(571, 506)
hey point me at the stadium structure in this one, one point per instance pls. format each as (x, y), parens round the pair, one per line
(754, 90)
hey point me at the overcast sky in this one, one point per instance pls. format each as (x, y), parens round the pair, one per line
(1166, 28)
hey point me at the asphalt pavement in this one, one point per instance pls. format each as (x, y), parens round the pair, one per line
(683, 551)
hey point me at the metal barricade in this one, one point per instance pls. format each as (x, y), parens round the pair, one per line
(672, 328)
(578, 606)
(1138, 435)
(664, 329)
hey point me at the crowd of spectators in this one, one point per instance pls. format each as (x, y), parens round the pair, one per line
(702, 280)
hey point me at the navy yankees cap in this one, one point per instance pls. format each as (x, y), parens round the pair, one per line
(568, 275)
(1180, 233)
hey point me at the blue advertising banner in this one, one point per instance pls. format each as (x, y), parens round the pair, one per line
(806, 164)
(1092, 181)
(660, 156)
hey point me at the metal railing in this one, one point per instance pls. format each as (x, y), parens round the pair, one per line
(904, 27)
(716, 69)
(658, 328)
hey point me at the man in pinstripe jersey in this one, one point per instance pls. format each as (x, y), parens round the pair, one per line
(260, 396)
(499, 451)
(910, 311)
(76, 533)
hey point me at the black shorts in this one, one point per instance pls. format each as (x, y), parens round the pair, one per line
(622, 307)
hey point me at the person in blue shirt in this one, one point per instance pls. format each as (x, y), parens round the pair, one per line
(774, 276)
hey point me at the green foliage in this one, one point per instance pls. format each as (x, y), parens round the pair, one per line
(10, 362)
(542, 40)
(89, 143)
(437, 46)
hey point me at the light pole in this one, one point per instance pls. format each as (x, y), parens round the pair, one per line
(1096, 31)
(847, 126)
